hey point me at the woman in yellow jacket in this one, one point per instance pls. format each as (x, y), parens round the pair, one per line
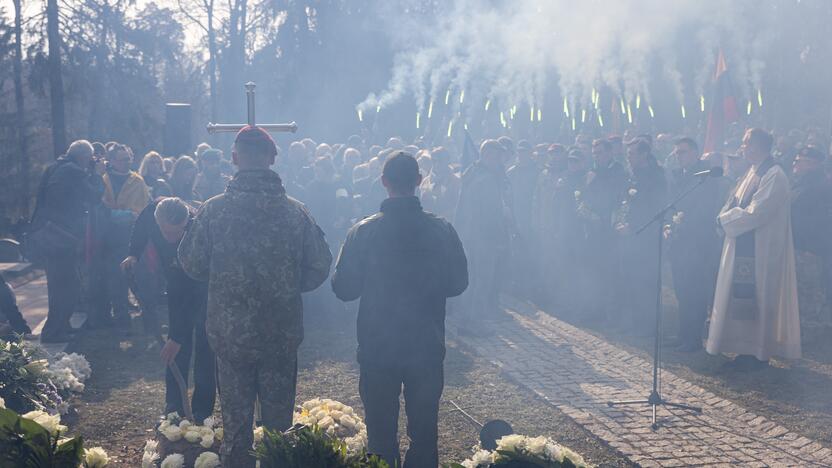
(125, 196)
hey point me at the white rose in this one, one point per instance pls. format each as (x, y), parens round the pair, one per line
(207, 460)
(326, 422)
(207, 441)
(258, 435)
(52, 423)
(193, 436)
(511, 443)
(172, 433)
(95, 457)
(176, 460)
(348, 422)
(206, 431)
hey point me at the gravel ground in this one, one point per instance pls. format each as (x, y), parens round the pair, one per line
(124, 396)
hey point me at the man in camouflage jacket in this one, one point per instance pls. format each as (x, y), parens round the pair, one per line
(259, 250)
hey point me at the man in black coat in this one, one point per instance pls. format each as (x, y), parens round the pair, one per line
(403, 263)
(164, 223)
(694, 244)
(812, 210)
(67, 189)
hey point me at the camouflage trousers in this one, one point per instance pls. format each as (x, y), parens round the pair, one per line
(242, 380)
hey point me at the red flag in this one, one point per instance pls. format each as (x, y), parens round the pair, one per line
(723, 107)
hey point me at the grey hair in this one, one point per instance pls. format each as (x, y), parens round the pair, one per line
(78, 147)
(172, 211)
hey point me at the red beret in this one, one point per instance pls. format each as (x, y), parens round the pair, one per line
(257, 138)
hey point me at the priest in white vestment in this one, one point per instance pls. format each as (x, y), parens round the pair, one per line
(755, 303)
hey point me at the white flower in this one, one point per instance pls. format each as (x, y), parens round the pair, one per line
(326, 422)
(258, 435)
(678, 217)
(209, 422)
(348, 422)
(172, 416)
(576, 459)
(95, 457)
(193, 436)
(175, 460)
(151, 445)
(207, 441)
(207, 460)
(218, 433)
(511, 443)
(149, 459)
(577, 194)
(632, 192)
(52, 423)
(553, 452)
(2, 403)
(480, 458)
(172, 433)
(537, 446)
(184, 424)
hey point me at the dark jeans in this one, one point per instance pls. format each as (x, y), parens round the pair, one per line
(109, 284)
(63, 286)
(380, 387)
(193, 342)
(693, 286)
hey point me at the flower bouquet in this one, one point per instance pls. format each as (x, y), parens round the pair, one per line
(308, 446)
(518, 451)
(182, 443)
(335, 419)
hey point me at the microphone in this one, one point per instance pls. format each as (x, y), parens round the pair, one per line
(713, 172)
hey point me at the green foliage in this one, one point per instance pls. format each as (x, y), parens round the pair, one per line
(26, 444)
(23, 384)
(310, 446)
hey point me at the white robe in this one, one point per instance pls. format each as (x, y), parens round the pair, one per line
(775, 331)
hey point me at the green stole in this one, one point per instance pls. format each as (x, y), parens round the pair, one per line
(743, 300)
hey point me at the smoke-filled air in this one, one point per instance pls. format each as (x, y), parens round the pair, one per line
(415, 233)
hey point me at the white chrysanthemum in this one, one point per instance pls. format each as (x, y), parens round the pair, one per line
(192, 436)
(172, 416)
(207, 460)
(175, 460)
(209, 422)
(52, 423)
(218, 433)
(511, 443)
(553, 452)
(172, 433)
(184, 424)
(95, 457)
(576, 459)
(326, 422)
(258, 435)
(207, 441)
(480, 458)
(537, 446)
(348, 422)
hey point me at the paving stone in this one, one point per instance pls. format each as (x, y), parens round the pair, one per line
(579, 373)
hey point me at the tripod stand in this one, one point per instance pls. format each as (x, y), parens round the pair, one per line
(655, 398)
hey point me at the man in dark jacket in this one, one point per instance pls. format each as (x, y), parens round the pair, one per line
(403, 263)
(694, 244)
(164, 223)
(66, 191)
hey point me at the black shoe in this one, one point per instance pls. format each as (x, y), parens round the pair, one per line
(746, 363)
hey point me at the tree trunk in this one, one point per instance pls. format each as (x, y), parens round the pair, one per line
(56, 84)
(21, 116)
(212, 61)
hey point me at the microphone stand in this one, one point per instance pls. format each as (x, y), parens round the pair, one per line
(655, 398)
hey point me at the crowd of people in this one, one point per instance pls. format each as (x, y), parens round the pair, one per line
(225, 237)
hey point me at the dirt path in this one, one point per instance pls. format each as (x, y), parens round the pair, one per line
(124, 396)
